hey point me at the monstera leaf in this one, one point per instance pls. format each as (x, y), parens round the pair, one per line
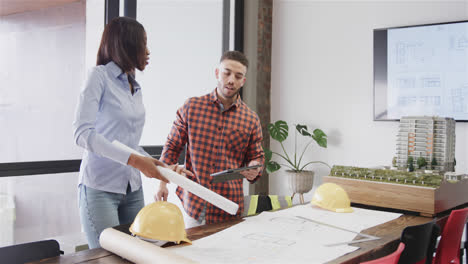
(271, 166)
(320, 137)
(279, 130)
(302, 129)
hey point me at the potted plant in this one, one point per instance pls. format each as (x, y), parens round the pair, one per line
(300, 179)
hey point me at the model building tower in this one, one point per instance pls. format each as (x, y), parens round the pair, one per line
(427, 137)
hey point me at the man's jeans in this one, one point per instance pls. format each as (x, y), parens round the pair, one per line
(100, 210)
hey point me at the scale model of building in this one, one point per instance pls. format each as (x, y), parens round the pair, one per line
(427, 137)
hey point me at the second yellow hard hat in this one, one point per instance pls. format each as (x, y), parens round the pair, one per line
(332, 197)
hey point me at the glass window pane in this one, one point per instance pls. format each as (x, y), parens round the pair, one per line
(184, 39)
(41, 67)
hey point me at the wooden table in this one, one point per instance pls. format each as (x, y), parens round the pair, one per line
(389, 233)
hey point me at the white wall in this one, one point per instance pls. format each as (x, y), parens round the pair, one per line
(322, 75)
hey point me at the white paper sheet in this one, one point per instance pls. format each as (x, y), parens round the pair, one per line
(357, 221)
(191, 186)
(281, 237)
(137, 250)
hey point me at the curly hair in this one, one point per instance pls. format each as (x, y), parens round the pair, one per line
(236, 56)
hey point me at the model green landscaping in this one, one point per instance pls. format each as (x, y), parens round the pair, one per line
(418, 178)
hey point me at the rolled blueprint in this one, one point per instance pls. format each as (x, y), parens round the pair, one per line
(137, 250)
(191, 186)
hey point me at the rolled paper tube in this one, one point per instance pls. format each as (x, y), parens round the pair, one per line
(191, 186)
(137, 250)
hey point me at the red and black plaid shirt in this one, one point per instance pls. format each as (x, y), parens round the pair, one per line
(216, 140)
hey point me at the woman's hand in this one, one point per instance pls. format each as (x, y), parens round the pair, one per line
(147, 166)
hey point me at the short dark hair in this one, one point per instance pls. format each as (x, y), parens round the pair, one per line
(123, 42)
(236, 56)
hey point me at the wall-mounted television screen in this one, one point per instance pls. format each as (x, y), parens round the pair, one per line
(421, 70)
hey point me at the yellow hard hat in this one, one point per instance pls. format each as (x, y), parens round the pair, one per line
(332, 197)
(160, 221)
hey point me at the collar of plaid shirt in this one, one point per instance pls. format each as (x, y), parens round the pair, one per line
(214, 98)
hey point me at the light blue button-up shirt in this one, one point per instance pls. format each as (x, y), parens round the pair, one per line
(108, 111)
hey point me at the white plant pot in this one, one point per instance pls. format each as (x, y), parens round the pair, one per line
(300, 182)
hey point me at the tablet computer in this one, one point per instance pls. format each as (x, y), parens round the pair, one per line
(231, 174)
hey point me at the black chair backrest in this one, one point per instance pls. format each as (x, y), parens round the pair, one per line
(420, 242)
(264, 204)
(260, 204)
(28, 252)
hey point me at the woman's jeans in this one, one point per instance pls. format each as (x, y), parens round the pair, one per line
(100, 210)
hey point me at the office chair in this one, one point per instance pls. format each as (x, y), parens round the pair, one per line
(420, 241)
(28, 252)
(389, 259)
(448, 250)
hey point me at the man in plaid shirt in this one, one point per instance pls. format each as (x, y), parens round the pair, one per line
(221, 132)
